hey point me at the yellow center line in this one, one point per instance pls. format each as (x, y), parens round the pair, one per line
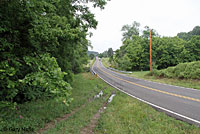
(160, 91)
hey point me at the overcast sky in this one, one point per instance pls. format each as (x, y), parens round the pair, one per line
(167, 17)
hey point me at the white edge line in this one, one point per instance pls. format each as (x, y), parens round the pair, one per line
(154, 105)
(153, 81)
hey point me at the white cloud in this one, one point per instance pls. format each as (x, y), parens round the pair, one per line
(167, 17)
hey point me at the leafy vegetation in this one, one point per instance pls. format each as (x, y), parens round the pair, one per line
(133, 116)
(31, 116)
(42, 44)
(133, 55)
(93, 52)
(91, 56)
(189, 70)
(105, 62)
(108, 53)
(188, 36)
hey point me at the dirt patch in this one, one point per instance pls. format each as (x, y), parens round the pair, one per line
(93, 122)
(52, 124)
(90, 128)
(88, 76)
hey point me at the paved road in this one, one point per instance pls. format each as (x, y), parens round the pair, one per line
(181, 103)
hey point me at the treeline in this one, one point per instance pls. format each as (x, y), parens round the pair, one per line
(166, 51)
(188, 35)
(92, 54)
(42, 44)
(108, 53)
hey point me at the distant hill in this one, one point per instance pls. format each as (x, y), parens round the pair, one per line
(93, 52)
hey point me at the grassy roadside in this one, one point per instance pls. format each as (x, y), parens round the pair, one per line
(126, 115)
(105, 62)
(86, 86)
(36, 114)
(188, 83)
(123, 115)
(92, 62)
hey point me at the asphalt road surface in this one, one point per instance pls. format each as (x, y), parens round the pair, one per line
(181, 103)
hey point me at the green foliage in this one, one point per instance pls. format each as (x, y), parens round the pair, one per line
(35, 114)
(92, 52)
(130, 30)
(110, 52)
(46, 79)
(190, 70)
(40, 40)
(169, 51)
(193, 47)
(104, 54)
(146, 32)
(91, 56)
(7, 81)
(31, 29)
(133, 55)
(166, 51)
(189, 35)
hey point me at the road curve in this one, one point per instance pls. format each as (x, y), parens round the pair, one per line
(181, 103)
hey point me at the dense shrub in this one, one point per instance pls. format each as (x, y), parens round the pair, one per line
(31, 29)
(44, 80)
(189, 70)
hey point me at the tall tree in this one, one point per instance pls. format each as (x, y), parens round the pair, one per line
(130, 30)
(110, 52)
(146, 32)
(31, 30)
(167, 51)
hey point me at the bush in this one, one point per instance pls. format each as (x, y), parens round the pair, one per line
(169, 72)
(190, 70)
(45, 80)
(179, 70)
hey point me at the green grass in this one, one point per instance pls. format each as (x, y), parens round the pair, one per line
(92, 61)
(189, 83)
(36, 114)
(126, 115)
(87, 66)
(79, 120)
(86, 86)
(139, 74)
(105, 62)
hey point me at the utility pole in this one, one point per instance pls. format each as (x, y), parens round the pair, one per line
(150, 51)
